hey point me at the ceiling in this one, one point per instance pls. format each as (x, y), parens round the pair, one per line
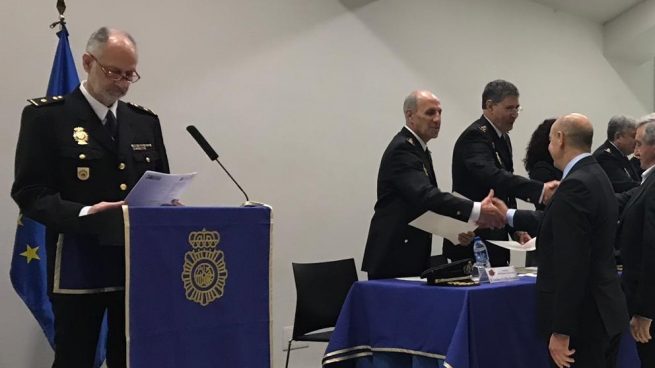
(597, 10)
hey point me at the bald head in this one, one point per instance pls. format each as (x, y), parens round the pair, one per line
(577, 129)
(411, 101)
(422, 111)
(104, 35)
(570, 136)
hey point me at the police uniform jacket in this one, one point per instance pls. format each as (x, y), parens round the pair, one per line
(406, 188)
(617, 167)
(578, 289)
(65, 160)
(482, 161)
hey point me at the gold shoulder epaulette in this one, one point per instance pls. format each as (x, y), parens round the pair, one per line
(141, 108)
(43, 101)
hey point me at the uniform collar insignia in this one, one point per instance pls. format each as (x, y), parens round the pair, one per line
(410, 140)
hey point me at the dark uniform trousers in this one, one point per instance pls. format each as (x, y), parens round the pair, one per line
(66, 160)
(78, 319)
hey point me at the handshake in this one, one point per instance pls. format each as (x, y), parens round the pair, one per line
(493, 211)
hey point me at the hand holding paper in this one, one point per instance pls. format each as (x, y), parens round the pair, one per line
(443, 226)
(158, 189)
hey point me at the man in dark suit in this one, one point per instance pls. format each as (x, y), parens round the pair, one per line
(636, 239)
(407, 187)
(613, 154)
(482, 160)
(76, 159)
(580, 306)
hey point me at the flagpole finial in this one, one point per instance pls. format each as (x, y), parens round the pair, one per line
(61, 8)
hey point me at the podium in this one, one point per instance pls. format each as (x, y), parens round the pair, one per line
(198, 287)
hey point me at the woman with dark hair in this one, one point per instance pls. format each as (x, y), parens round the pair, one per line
(539, 166)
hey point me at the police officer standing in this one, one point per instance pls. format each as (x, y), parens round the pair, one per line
(76, 159)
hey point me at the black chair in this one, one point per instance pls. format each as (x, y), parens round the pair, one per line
(321, 289)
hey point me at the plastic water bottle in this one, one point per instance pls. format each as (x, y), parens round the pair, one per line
(480, 252)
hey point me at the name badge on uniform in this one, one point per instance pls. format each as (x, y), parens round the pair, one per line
(141, 146)
(80, 136)
(83, 173)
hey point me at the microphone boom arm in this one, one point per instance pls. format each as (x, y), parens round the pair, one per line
(235, 182)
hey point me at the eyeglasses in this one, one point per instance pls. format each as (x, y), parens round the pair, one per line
(118, 75)
(516, 109)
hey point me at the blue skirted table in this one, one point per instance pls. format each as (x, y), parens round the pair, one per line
(398, 323)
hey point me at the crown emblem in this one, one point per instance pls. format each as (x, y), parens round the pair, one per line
(204, 273)
(204, 239)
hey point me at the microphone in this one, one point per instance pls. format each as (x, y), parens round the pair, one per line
(202, 142)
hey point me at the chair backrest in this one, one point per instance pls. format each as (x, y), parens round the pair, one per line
(321, 289)
(438, 260)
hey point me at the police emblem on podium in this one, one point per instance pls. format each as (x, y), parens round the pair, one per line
(204, 272)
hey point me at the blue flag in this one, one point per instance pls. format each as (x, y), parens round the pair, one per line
(28, 265)
(63, 77)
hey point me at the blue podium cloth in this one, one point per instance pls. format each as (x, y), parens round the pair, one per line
(483, 326)
(198, 287)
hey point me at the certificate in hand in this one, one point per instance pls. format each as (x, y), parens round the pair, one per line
(514, 245)
(444, 226)
(158, 189)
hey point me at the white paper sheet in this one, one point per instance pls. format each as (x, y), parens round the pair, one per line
(443, 226)
(513, 245)
(157, 189)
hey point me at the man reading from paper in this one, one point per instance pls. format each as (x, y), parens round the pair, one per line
(407, 187)
(77, 157)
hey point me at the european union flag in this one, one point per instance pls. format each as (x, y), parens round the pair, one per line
(28, 265)
(63, 77)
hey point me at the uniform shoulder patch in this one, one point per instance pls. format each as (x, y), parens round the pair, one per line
(141, 108)
(43, 101)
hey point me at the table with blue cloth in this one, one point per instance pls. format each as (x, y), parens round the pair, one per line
(401, 323)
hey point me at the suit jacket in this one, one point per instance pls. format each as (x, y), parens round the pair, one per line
(578, 289)
(636, 240)
(65, 160)
(617, 167)
(483, 161)
(406, 188)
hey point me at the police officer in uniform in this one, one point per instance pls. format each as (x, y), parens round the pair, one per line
(482, 160)
(76, 159)
(407, 187)
(613, 154)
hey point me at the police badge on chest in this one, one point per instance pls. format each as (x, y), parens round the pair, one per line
(83, 173)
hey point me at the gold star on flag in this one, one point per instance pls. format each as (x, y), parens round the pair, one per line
(31, 253)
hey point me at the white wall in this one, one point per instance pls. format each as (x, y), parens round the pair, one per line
(300, 97)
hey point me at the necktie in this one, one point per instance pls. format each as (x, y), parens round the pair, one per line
(430, 167)
(506, 147)
(111, 124)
